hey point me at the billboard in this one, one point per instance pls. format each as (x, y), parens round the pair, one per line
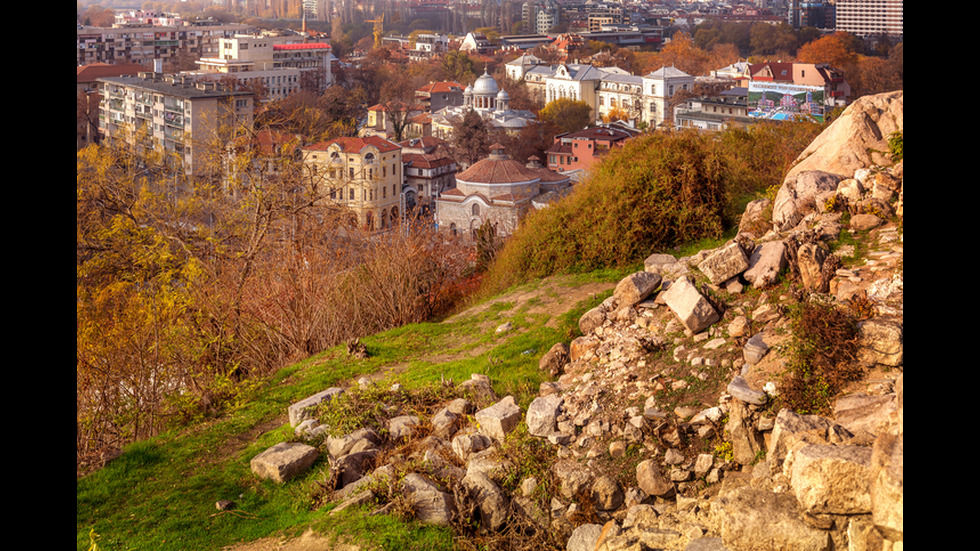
(781, 101)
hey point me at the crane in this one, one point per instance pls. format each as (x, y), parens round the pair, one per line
(379, 24)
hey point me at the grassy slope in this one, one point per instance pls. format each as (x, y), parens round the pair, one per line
(161, 494)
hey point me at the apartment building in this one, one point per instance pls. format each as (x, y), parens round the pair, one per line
(282, 64)
(362, 174)
(871, 18)
(429, 170)
(582, 149)
(145, 44)
(173, 115)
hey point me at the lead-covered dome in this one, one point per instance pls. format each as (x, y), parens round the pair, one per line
(485, 85)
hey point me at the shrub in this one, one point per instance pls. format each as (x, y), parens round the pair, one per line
(822, 353)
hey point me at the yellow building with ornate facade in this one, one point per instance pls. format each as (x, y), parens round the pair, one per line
(361, 174)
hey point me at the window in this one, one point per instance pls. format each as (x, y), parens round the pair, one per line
(476, 209)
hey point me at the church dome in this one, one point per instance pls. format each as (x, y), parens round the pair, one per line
(485, 85)
(503, 95)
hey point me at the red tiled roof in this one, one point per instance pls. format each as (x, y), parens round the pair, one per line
(436, 87)
(422, 160)
(355, 145)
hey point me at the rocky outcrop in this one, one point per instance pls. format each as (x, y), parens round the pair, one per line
(661, 421)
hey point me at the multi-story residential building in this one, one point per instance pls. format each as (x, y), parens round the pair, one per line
(871, 18)
(620, 93)
(89, 96)
(429, 170)
(362, 174)
(428, 45)
(581, 149)
(175, 115)
(659, 88)
(283, 64)
(145, 44)
(437, 95)
(476, 42)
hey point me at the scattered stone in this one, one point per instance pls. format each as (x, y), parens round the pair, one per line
(687, 303)
(303, 410)
(499, 419)
(724, 263)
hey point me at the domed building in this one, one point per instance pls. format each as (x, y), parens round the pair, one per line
(499, 190)
(489, 100)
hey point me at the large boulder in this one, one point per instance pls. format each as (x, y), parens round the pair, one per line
(832, 479)
(858, 138)
(753, 519)
(284, 461)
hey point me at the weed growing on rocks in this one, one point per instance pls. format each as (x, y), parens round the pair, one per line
(822, 354)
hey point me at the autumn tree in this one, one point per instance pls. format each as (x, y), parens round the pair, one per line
(566, 114)
(837, 50)
(398, 101)
(457, 66)
(471, 138)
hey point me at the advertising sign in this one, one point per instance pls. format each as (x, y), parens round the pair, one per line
(780, 101)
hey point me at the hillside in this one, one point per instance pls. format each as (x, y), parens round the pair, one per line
(647, 409)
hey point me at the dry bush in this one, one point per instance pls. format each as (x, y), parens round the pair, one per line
(822, 356)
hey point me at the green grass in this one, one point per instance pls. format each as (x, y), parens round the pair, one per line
(160, 494)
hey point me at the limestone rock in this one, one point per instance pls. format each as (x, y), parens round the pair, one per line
(430, 503)
(880, 342)
(753, 519)
(657, 262)
(797, 196)
(490, 501)
(724, 263)
(499, 419)
(284, 461)
(832, 479)
(687, 303)
(584, 538)
(542, 414)
(554, 360)
(651, 479)
(635, 287)
(888, 486)
(302, 410)
(592, 319)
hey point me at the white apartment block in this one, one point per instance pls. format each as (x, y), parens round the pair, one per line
(179, 117)
(870, 18)
(278, 62)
